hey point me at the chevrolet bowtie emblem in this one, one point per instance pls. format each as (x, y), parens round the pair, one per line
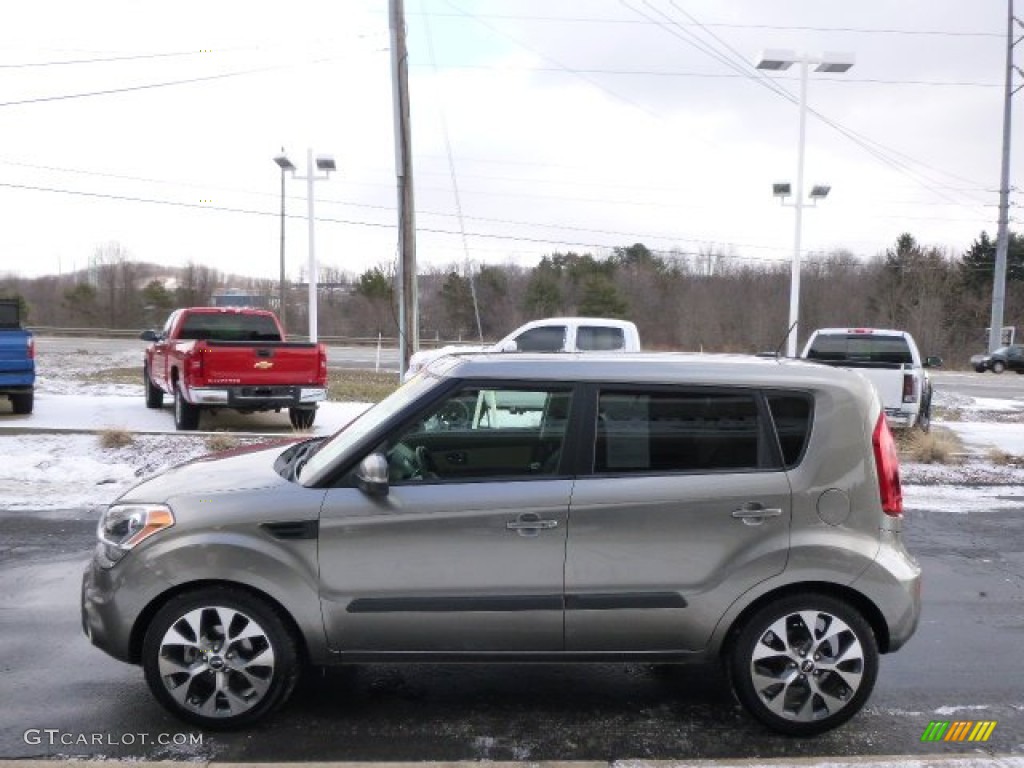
(263, 365)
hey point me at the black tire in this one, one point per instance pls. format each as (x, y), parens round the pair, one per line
(302, 418)
(23, 402)
(980, 368)
(201, 675)
(154, 395)
(998, 366)
(924, 416)
(810, 696)
(186, 415)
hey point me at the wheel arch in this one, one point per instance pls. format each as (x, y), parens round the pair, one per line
(872, 615)
(145, 617)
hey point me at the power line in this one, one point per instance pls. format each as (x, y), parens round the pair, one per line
(719, 75)
(103, 60)
(723, 25)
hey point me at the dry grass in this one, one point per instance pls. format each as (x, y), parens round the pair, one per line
(221, 441)
(1002, 458)
(940, 446)
(132, 375)
(943, 413)
(115, 438)
(355, 386)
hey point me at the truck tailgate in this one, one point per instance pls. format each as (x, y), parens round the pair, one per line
(261, 364)
(14, 352)
(888, 382)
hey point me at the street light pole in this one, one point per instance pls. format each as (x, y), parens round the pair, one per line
(324, 164)
(285, 165)
(313, 308)
(794, 282)
(778, 61)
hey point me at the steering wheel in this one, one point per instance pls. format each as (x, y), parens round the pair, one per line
(454, 415)
(427, 466)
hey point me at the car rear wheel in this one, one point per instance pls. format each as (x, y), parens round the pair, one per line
(154, 395)
(804, 664)
(22, 403)
(998, 366)
(219, 658)
(302, 418)
(186, 415)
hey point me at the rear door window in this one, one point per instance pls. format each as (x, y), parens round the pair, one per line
(667, 431)
(595, 338)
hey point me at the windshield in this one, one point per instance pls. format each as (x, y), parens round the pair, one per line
(349, 436)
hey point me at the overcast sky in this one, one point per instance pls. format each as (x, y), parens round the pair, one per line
(537, 126)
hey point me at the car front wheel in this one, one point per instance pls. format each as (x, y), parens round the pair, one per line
(219, 658)
(804, 664)
(154, 395)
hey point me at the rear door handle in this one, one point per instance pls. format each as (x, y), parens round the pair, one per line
(753, 513)
(530, 524)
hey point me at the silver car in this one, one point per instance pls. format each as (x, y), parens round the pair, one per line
(669, 508)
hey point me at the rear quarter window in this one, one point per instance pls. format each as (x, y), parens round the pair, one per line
(791, 416)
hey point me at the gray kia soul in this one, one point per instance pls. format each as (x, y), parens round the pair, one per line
(666, 507)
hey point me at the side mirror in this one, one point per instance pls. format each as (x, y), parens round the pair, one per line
(372, 475)
(149, 336)
(509, 346)
(933, 362)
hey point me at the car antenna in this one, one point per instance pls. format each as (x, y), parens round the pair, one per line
(778, 349)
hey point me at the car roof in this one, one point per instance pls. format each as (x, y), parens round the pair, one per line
(648, 368)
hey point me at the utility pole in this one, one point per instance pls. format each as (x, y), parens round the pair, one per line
(408, 314)
(995, 331)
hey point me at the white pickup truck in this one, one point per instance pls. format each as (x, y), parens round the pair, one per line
(891, 360)
(552, 334)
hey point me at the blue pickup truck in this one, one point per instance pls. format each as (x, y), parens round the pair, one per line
(17, 358)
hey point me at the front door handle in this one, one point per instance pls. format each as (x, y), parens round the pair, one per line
(530, 524)
(753, 513)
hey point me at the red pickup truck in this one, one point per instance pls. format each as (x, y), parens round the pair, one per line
(228, 357)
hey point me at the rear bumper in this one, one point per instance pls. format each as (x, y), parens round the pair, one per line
(255, 398)
(893, 584)
(900, 419)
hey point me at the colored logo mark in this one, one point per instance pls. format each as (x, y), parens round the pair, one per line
(958, 730)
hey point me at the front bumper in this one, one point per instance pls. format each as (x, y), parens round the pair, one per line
(257, 398)
(112, 601)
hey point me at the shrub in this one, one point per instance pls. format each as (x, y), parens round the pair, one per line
(221, 441)
(940, 446)
(116, 438)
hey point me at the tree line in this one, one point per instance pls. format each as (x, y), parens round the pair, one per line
(711, 301)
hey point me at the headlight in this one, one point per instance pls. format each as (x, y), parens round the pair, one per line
(123, 526)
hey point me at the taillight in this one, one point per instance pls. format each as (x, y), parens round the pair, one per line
(31, 348)
(323, 362)
(194, 363)
(887, 464)
(909, 388)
